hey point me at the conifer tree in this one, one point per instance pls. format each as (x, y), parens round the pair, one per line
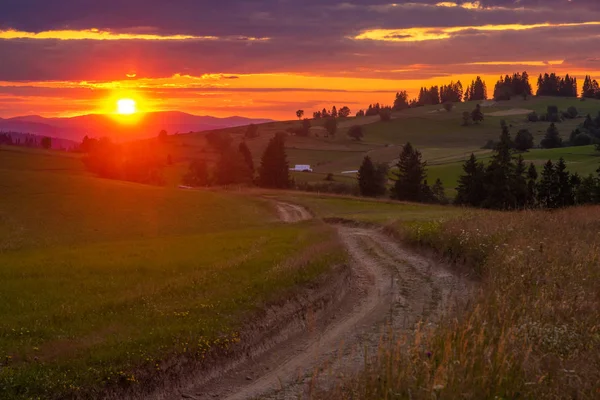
(438, 192)
(499, 175)
(523, 140)
(274, 168)
(532, 176)
(368, 181)
(519, 184)
(471, 190)
(247, 156)
(552, 139)
(548, 187)
(409, 180)
(565, 182)
(477, 115)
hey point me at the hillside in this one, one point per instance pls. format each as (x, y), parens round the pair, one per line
(438, 134)
(101, 281)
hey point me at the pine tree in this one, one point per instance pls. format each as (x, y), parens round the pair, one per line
(274, 169)
(499, 175)
(368, 179)
(471, 190)
(334, 113)
(565, 197)
(439, 193)
(519, 184)
(548, 187)
(410, 176)
(532, 176)
(477, 115)
(552, 139)
(523, 140)
(247, 156)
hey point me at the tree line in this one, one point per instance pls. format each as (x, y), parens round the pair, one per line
(554, 85)
(507, 183)
(235, 166)
(409, 177)
(507, 86)
(333, 113)
(25, 140)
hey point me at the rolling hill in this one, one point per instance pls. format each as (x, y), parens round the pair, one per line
(97, 125)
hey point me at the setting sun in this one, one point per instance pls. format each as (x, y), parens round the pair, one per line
(126, 106)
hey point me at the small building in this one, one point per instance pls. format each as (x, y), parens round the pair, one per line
(301, 168)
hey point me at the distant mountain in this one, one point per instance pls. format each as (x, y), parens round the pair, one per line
(98, 125)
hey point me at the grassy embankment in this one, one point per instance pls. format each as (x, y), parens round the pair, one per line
(533, 328)
(103, 284)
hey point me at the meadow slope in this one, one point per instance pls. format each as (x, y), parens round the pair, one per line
(106, 284)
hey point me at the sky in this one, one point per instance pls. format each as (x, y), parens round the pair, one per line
(270, 58)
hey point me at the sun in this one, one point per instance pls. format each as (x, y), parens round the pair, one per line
(126, 107)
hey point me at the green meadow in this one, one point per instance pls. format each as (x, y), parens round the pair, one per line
(438, 134)
(102, 281)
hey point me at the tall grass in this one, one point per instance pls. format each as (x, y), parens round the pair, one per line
(533, 328)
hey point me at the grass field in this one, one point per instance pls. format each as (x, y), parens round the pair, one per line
(530, 332)
(102, 282)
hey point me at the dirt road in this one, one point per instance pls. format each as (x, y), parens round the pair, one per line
(292, 213)
(392, 290)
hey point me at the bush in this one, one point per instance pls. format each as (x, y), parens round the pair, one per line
(448, 106)
(329, 187)
(356, 132)
(385, 114)
(572, 112)
(533, 117)
(583, 139)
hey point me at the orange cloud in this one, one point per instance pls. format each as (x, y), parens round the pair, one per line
(96, 34)
(440, 33)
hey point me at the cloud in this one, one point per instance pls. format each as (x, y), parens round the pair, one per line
(439, 33)
(96, 34)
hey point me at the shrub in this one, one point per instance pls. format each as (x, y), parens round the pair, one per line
(583, 139)
(533, 117)
(448, 106)
(385, 114)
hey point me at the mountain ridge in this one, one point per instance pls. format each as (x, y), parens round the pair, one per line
(99, 125)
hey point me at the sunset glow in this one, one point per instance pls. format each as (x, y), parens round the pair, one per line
(126, 106)
(254, 59)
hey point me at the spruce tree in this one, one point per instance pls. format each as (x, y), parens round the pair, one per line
(547, 188)
(552, 139)
(586, 192)
(274, 169)
(477, 115)
(523, 140)
(519, 183)
(439, 193)
(499, 175)
(409, 180)
(247, 156)
(532, 176)
(566, 183)
(471, 190)
(367, 178)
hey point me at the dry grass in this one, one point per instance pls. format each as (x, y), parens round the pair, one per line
(533, 330)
